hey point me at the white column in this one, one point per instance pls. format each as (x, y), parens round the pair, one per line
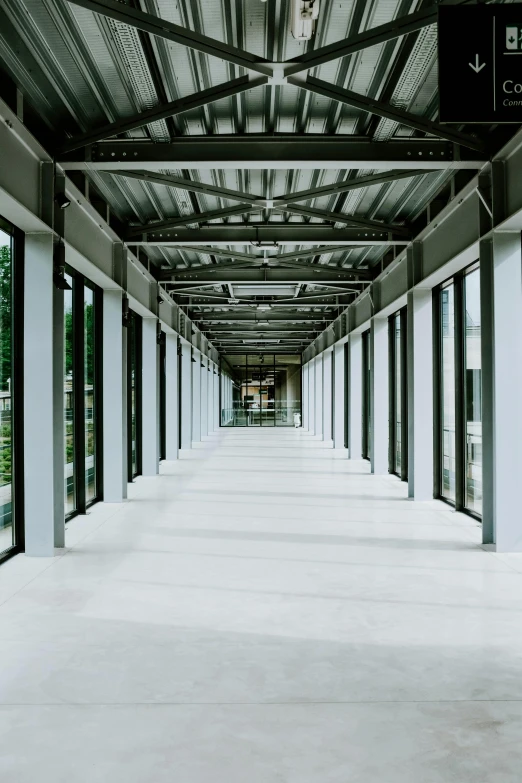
(380, 401)
(327, 395)
(39, 447)
(115, 468)
(186, 396)
(338, 396)
(204, 397)
(507, 393)
(149, 398)
(171, 397)
(196, 397)
(311, 397)
(420, 394)
(355, 396)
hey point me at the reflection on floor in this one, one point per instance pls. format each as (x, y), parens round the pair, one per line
(265, 612)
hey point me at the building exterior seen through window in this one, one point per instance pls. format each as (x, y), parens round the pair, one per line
(6, 402)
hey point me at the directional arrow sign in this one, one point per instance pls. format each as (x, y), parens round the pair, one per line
(477, 67)
(480, 63)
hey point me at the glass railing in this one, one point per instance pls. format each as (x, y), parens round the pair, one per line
(276, 416)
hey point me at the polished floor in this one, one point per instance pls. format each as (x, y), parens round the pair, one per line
(265, 611)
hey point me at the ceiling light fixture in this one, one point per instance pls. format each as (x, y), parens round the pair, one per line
(303, 19)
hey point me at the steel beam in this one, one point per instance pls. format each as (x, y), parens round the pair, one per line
(350, 220)
(210, 269)
(386, 110)
(163, 111)
(253, 316)
(173, 32)
(263, 330)
(282, 233)
(189, 220)
(356, 43)
(188, 184)
(348, 184)
(316, 275)
(285, 151)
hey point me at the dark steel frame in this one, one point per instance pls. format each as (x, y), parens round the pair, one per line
(134, 326)
(403, 402)
(460, 392)
(366, 396)
(162, 339)
(80, 283)
(17, 389)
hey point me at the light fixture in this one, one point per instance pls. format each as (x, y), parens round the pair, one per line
(62, 201)
(304, 16)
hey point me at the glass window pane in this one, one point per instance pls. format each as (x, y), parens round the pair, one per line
(69, 479)
(89, 397)
(6, 444)
(447, 305)
(473, 394)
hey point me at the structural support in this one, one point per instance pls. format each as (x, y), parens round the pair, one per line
(58, 415)
(380, 410)
(149, 397)
(338, 396)
(114, 399)
(40, 531)
(196, 396)
(171, 396)
(319, 396)
(327, 395)
(506, 416)
(186, 396)
(355, 400)
(420, 394)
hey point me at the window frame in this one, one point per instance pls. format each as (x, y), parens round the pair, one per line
(17, 389)
(402, 314)
(460, 390)
(134, 318)
(78, 389)
(366, 396)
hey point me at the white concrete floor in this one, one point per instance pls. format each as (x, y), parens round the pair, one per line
(263, 612)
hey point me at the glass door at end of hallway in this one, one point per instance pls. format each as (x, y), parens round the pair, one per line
(260, 390)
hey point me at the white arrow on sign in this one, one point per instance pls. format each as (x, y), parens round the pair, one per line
(477, 67)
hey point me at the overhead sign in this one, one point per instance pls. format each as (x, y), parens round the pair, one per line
(480, 63)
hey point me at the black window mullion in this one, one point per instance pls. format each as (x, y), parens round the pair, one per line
(404, 393)
(98, 391)
(346, 395)
(437, 394)
(392, 359)
(79, 392)
(460, 454)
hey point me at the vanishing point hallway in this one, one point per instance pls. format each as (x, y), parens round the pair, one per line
(263, 612)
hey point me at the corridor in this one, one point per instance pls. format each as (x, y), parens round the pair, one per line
(264, 611)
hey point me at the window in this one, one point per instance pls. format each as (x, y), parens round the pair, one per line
(11, 435)
(473, 392)
(398, 395)
(461, 392)
(134, 394)
(447, 315)
(366, 396)
(82, 390)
